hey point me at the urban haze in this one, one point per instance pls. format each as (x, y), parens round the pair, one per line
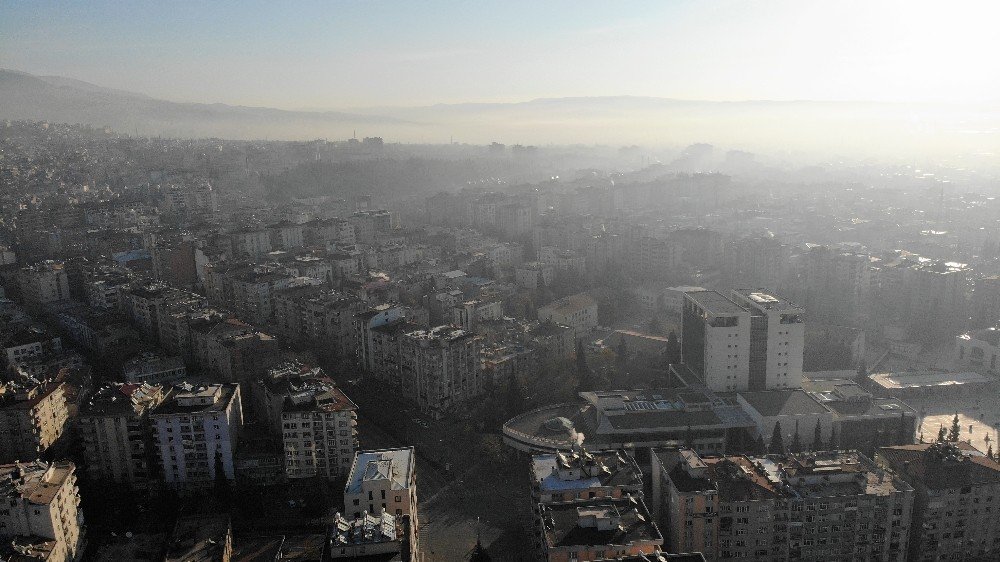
(499, 281)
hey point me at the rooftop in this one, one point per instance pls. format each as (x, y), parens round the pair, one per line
(579, 470)
(761, 298)
(121, 398)
(924, 379)
(38, 482)
(605, 521)
(715, 303)
(188, 399)
(393, 465)
(940, 466)
(571, 304)
(198, 538)
(783, 402)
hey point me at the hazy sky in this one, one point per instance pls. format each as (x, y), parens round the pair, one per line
(348, 54)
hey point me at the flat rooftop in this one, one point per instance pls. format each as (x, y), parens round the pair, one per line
(766, 300)
(567, 524)
(783, 402)
(385, 464)
(926, 379)
(715, 303)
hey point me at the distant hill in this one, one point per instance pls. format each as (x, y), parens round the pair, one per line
(786, 127)
(65, 100)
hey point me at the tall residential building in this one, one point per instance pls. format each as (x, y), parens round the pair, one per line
(384, 480)
(195, 428)
(440, 368)
(316, 420)
(715, 341)
(317, 315)
(41, 510)
(835, 505)
(777, 339)
(957, 500)
(33, 418)
(114, 430)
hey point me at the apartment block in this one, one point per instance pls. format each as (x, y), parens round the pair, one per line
(316, 420)
(43, 283)
(195, 428)
(33, 418)
(836, 505)
(384, 480)
(440, 368)
(114, 429)
(41, 511)
(957, 497)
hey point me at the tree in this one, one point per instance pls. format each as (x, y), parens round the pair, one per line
(777, 445)
(817, 444)
(989, 452)
(672, 351)
(863, 374)
(689, 438)
(905, 436)
(581, 359)
(834, 441)
(479, 553)
(955, 429)
(622, 352)
(759, 448)
(585, 380)
(515, 397)
(942, 434)
(796, 440)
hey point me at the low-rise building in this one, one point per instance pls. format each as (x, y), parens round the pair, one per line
(576, 311)
(150, 368)
(30, 344)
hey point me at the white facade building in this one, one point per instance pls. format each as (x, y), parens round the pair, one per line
(192, 427)
(777, 339)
